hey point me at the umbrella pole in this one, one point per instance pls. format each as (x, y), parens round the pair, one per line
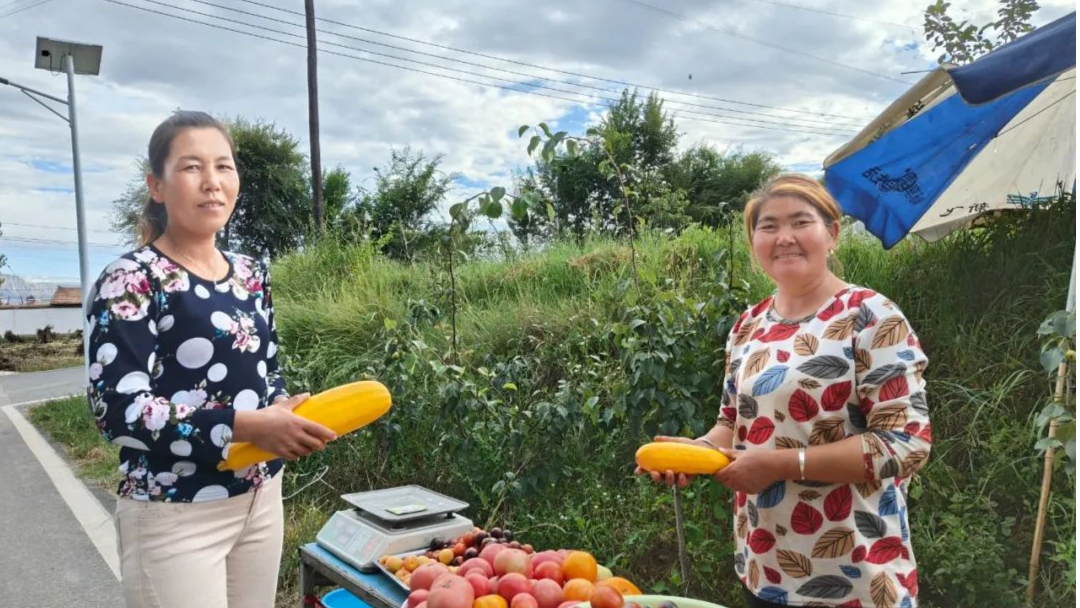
(1048, 459)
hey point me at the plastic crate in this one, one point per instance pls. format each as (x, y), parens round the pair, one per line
(340, 598)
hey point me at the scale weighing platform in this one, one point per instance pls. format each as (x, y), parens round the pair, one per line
(381, 522)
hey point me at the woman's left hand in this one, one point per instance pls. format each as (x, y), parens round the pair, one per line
(749, 472)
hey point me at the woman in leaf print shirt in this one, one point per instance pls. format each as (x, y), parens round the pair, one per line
(825, 419)
(183, 362)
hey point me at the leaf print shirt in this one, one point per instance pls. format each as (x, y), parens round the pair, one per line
(854, 368)
(173, 357)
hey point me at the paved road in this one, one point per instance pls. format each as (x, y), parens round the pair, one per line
(48, 560)
(23, 388)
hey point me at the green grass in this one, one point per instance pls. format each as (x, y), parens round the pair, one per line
(69, 423)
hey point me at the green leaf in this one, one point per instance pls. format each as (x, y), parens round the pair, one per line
(558, 137)
(493, 210)
(389, 324)
(549, 150)
(1052, 410)
(1060, 323)
(497, 193)
(571, 148)
(456, 210)
(617, 210)
(1051, 358)
(519, 209)
(551, 213)
(592, 132)
(549, 153)
(694, 533)
(545, 129)
(510, 386)
(535, 141)
(522, 129)
(1047, 443)
(1065, 325)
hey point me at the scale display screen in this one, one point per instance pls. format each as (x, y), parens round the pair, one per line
(391, 522)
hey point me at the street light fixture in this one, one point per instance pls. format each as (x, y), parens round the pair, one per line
(72, 58)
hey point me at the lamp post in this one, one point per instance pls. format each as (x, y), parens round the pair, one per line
(72, 58)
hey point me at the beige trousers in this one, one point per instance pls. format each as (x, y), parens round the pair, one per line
(217, 554)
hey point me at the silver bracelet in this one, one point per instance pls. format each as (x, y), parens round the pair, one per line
(802, 464)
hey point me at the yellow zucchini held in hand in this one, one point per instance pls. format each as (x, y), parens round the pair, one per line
(683, 458)
(343, 410)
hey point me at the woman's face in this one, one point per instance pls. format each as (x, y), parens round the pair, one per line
(791, 240)
(199, 183)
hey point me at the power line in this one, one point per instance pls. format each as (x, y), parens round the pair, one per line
(8, 5)
(25, 8)
(24, 239)
(550, 69)
(822, 130)
(2, 224)
(489, 67)
(841, 15)
(778, 47)
(778, 127)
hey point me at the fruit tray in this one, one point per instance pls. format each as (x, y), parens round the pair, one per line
(390, 575)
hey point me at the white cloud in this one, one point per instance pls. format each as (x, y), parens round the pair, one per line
(152, 64)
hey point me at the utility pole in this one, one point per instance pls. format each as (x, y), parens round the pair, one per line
(313, 117)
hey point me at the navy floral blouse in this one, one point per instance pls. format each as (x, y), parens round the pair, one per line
(173, 357)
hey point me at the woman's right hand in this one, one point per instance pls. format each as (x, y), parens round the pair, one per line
(670, 477)
(279, 431)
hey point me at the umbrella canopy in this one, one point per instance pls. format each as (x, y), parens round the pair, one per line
(998, 133)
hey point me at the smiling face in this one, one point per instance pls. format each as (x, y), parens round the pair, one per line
(199, 182)
(791, 240)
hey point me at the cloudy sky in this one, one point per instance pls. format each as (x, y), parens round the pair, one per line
(795, 78)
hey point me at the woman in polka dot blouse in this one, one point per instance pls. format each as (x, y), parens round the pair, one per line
(183, 362)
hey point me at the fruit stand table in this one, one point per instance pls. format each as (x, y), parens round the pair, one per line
(319, 567)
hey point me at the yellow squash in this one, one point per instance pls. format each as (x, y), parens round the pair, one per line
(680, 458)
(343, 410)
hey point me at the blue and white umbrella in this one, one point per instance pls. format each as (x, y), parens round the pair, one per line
(998, 133)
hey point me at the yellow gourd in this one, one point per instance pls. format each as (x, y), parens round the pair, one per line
(343, 410)
(663, 456)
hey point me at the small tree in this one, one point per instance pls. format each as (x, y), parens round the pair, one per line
(963, 42)
(398, 210)
(719, 183)
(127, 207)
(640, 137)
(273, 209)
(338, 195)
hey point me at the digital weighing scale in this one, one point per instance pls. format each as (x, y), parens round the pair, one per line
(389, 522)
